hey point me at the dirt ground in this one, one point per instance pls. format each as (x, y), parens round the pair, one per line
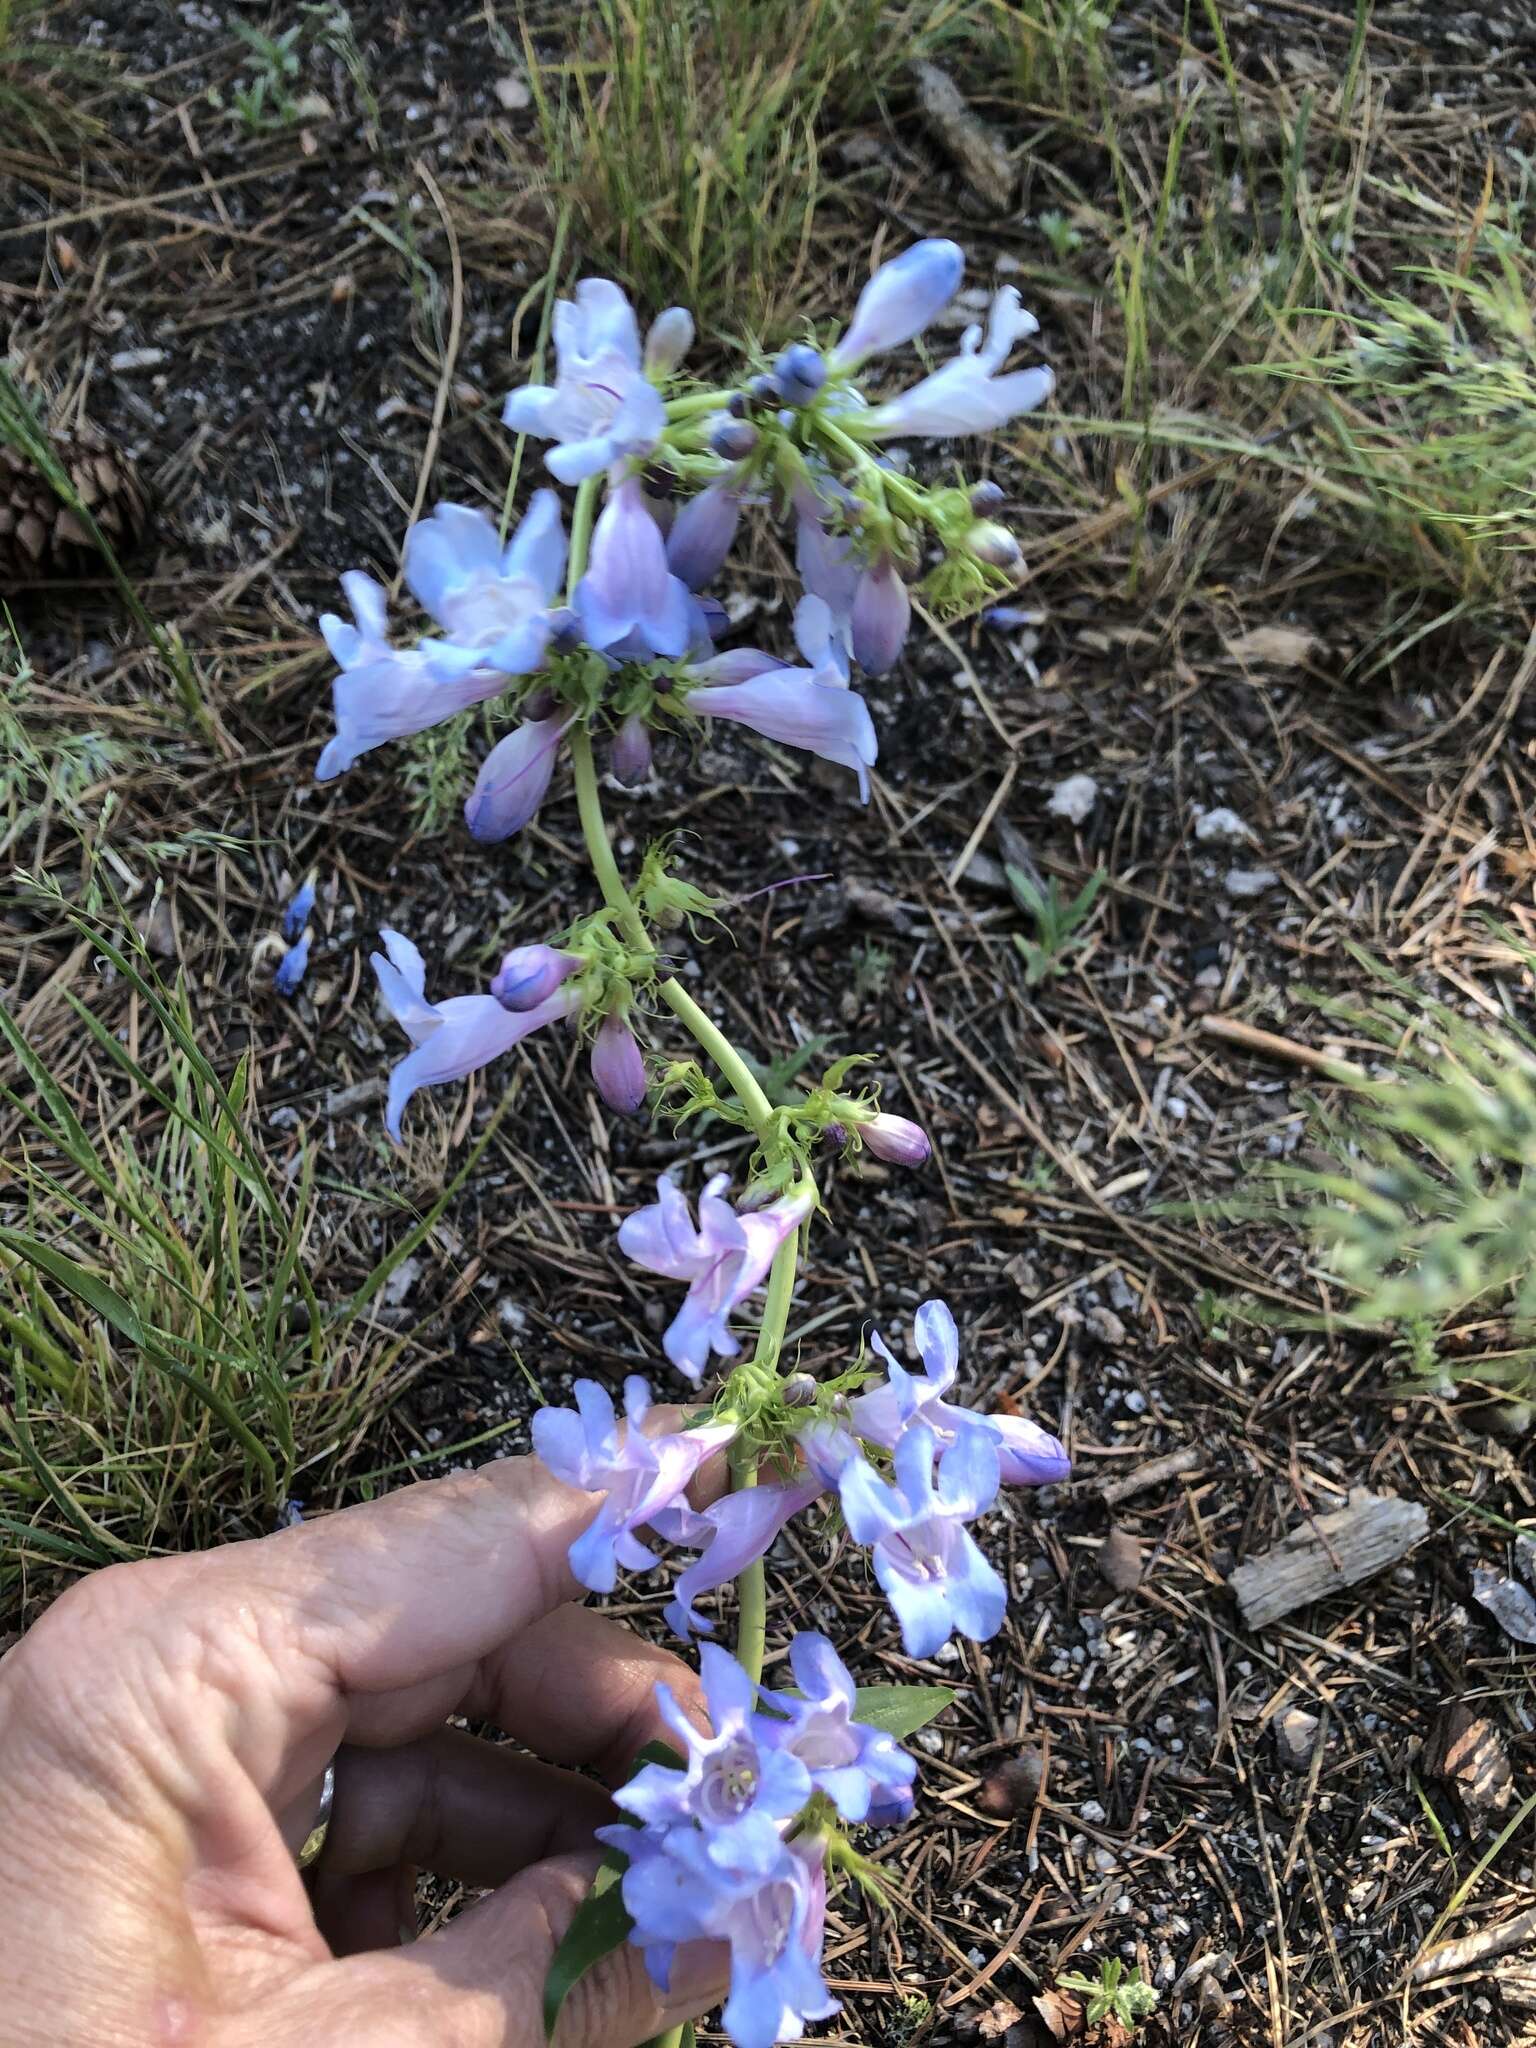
(1253, 1816)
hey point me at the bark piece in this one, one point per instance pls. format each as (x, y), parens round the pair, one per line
(1451, 1957)
(978, 155)
(1120, 1561)
(1371, 1531)
(1467, 1752)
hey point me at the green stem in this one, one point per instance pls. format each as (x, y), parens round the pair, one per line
(581, 534)
(720, 1049)
(697, 402)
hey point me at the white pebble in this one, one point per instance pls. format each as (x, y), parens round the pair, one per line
(1246, 882)
(1074, 798)
(1220, 824)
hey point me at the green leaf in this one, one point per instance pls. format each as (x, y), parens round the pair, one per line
(900, 1709)
(85, 1286)
(601, 1923)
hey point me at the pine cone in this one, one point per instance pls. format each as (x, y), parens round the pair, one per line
(42, 537)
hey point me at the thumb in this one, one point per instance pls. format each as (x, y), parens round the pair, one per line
(479, 1983)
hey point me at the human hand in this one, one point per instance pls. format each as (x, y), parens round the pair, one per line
(164, 1731)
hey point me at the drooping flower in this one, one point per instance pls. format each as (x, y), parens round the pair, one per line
(630, 758)
(601, 407)
(826, 561)
(702, 534)
(618, 1068)
(514, 779)
(895, 1139)
(900, 300)
(740, 1771)
(1027, 1454)
(970, 394)
(927, 1563)
(449, 1039)
(297, 915)
(528, 975)
(862, 1770)
(638, 1476)
(629, 597)
(766, 1897)
(385, 693)
(491, 600)
(799, 707)
(291, 969)
(723, 1260)
(880, 618)
(732, 1533)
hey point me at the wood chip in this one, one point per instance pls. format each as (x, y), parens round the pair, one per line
(978, 155)
(1273, 646)
(1153, 1473)
(1467, 1752)
(1353, 1543)
(1120, 1561)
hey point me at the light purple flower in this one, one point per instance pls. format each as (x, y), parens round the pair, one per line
(928, 1566)
(702, 534)
(514, 779)
(895, 1139)
(767, 1898)
(630, 757)
(668, 339)
(734, 1532)
(529, 975)
(723, 1261)
(618, 1069)
(796, 706)
(881, 616)
(297, 915)
(968, 394)
(900, 300)
(490, 600)
(828, 566)
(741, 1770)
(628, 594)
(862, 1770)
(639, 1476)
(1027, 1454)
(450, 1039)
(383, 692)
(600, 407)
(292, 968)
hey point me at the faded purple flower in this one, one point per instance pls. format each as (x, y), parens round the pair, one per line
(900, 300)
(798, 707)
(881, 616)
(969, 394)
(702, 534)
(928, 1566)
(628, 592)
(1027, 1454)
(514, 779)
(491, 600)
(723, 1260)
(529, 975)
(449, 1039)
(639, 1476)
(601, 407)
(734, 1532)
(630, 758)
(618, 1069)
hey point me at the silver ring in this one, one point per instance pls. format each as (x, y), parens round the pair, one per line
(314, 1841)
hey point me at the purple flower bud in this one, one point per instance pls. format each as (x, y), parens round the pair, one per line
(733, 440)
(801, 372)
(296, 916)
(765, 391)
(900, 300)
(882, 612)
(987, 497)
(629, 760)
(529, 975)
(291, 968)
(994, 545)
(798, 1391)
(513, 780)
(702, 533)
(895, 1139)
(618, 1071)
(736, 405)
(669, 339)
(835, 1135)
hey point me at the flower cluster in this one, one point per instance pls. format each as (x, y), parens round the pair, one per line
(733, 1846)
(598, 635)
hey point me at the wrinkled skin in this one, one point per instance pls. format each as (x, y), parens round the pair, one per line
(163, 1732)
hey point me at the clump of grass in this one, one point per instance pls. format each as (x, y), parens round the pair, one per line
(172, 1375)
(32, 71)
(685, 134)
(437, 772)
(1421, 1204)
(43, 765)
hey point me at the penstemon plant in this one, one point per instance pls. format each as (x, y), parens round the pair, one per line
(605, 638)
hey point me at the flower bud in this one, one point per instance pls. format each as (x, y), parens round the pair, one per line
(618, 1070)
(882, 612)
(736, 405)
(987, 497)
(801, 372)
(539, 703)
(895, 1139)
(564, 629)
(733, 440)
(528, 975)
(835, 1135)
(513, 780)
(668, 340)
(629, 759)
(798, 1391)
(765, 391)
(702, 533)
(900, 300)
(994, 545)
